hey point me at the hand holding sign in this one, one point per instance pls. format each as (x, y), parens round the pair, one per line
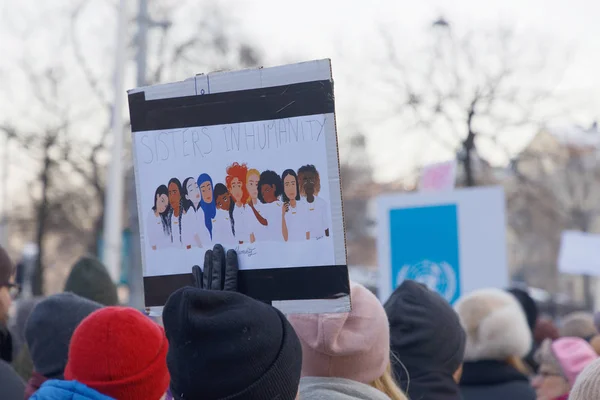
(220, 271)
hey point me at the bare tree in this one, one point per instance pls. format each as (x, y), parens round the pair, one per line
(67, 191)
(464, 89)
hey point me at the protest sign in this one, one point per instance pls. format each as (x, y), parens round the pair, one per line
(437, 177)
(579, 253)
(454, 242)
(247, 159)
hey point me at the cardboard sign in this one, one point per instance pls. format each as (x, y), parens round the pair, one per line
(579, 253)
(438, 177)
(454, 242)
(249, 160)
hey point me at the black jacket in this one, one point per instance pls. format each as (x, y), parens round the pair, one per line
(6, 345)
(494, 380)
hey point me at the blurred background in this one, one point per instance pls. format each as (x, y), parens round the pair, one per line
(510, 89)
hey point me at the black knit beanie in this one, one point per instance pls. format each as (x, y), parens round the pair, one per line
(49, 330)
(225, 345)
(528, 305)
(90, 279)
(428, 339)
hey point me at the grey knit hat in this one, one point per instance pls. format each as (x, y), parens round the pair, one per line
(49, 329)
(578, 324)
(90, 279)
(587, 385)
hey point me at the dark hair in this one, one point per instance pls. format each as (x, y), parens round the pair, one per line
(181, 209)
(165, 215)
(220, 190)
(283, 176)
(269, 178)
(184, 192)
(311, 168)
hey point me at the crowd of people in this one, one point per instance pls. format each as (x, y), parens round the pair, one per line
(216, 343)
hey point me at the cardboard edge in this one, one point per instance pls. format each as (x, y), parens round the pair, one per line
(287, 307)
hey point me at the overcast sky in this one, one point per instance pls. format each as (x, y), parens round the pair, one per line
(345, 31)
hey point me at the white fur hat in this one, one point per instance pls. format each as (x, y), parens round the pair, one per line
(495, 324)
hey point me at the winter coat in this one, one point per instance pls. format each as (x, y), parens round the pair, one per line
(494, 380)
(67, 390)
(6, 345)
(313, 388)
(12, 386)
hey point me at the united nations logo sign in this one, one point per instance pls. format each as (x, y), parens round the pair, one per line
(439, 277)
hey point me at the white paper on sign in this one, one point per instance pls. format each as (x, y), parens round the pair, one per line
(579, 253)
(437, 177)
(249, 160)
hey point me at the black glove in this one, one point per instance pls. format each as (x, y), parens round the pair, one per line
(220, 272)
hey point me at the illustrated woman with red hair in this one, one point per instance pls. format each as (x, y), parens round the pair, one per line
(236, 184)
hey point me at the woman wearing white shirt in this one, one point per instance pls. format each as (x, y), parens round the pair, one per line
(255, 223)
(158, 223)
(272, 209)
(294, 210)
(317, 208)
(177, 211)
(236, 185)
(223, 223)
(195, 231)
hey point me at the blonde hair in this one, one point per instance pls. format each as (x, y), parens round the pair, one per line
(251, 172)
(387, 384)
(518, 364)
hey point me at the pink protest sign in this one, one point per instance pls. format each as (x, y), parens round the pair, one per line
(438, 177)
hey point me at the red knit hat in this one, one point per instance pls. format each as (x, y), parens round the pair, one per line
(121, 353)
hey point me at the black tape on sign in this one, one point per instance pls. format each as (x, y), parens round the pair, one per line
(294, 100)
(300, 283)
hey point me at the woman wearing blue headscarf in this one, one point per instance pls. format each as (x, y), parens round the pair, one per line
(207, 201)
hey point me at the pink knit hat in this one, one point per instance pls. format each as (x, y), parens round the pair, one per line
(353, 345)
(567, 356)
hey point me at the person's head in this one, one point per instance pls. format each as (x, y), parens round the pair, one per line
(252, 179)
(270, 187)
(309, 180)
(495, 325)
(222, 197)
(205, 184)
(417, 315)
(175, 193)
(7, 285)
(121, 353)
(291, 189)
(90, 279)
(354, 345)
(561, 361)
(226, 345)
(528, 304)
(49, 329)
(161, 199)
(191, 192)
(236, 182)
(545, 329)
(587, 384)
(578, 324)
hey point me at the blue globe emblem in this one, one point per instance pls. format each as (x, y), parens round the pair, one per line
(439, 277)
